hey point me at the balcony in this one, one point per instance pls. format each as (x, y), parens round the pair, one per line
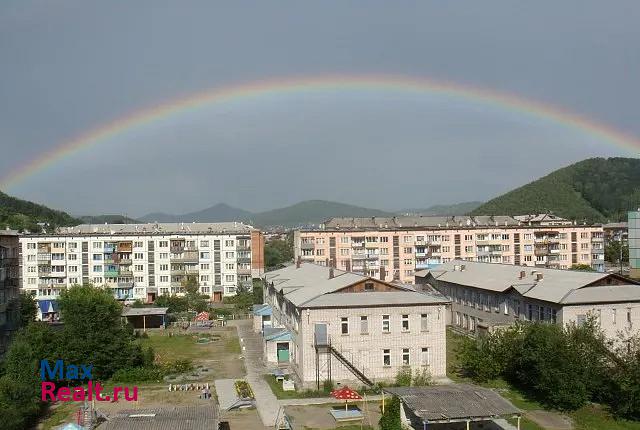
(178, 271)
(127, 285)
(57, 274)
(242, 248)
(371, 244)
(111, 273)
(244, 271)
(44, 257)
(541, 251)
(125, 247)
(487, 242)
(176, 249)
(244, 260)
(307, 245)
(186, 257)
(125, 272)
(123, 261)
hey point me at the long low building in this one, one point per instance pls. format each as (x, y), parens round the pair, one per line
(332, 324)
(142, 261)
(486, 295)
(405, 244)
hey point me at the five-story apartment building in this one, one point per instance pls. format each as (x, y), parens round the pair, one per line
(142, 261)
(403, 245)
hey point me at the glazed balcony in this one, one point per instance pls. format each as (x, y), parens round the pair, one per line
(307, 245)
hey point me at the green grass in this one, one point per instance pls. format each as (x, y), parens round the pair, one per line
(349, 427)
(525, 424)
(175, 347)
(232, 345)
(276, 387)
(594, 417)
(59, 415)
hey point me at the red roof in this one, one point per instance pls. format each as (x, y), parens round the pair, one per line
(346, 393)
(202, 316)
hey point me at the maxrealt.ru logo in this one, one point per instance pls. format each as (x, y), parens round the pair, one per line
(93, 390)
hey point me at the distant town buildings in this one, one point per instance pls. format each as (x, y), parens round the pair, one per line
(634, 243)
(485, 295)
(403, 245)
(330, 324)
(9, 286)
(142, 261)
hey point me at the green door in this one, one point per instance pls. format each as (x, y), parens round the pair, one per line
(283, 352)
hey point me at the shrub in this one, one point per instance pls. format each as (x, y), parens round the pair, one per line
(422, 378)
(403, 378)
(177, 366)
(390, 419)
(328, 385)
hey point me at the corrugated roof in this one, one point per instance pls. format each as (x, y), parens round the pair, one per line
(390, 298)
(408, 222)
(170, 418)
(604, 294)
(554, 285)
(310, 285)
(156, 228)
(131, 312)
(453, 402)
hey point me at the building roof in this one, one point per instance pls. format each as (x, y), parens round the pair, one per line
(604, 294)
(170, 418)
(615, 225)
(155, 228)
(543, 219)
(132, 312)
(409, 222)
(453, 402)
(310, 286)
(554, 285)
(276, 333)
(8, 232)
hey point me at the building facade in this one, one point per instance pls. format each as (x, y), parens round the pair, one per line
(9, 286)
(634, 243)
(142, 261)
(485, 295)
(337, 325)
(403, 245)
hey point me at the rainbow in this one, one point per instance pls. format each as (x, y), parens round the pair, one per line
(267, 88)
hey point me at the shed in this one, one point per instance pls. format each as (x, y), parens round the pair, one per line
(145, 318)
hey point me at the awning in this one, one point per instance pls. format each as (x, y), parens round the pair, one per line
(278, 334)
(48, 306)
(262, 310)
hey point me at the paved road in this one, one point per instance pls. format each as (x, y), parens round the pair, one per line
(266, 402)
(226, 392)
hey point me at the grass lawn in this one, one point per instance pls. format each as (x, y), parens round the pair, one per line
(276, 387)
(60, 414)
(592, 417)
(525, 424)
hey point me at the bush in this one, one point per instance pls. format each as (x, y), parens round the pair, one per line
(422, 378)
(177, 366)
(328, 386)
(403, 378)
(390, 419)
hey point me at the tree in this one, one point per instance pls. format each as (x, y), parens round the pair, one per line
(258, 291)
(195, 300)
(242, 300)
(94, 332)
(612, 252)
(28, 309)
(390, 419)
(582, 268)
(278, 251)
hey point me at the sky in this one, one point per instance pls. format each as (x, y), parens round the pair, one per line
(71, 66)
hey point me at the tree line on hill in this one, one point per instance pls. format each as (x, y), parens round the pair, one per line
(561, 367)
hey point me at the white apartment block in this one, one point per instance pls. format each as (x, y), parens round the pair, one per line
(484, 296)
(403, 245)
(331, 324)
(142, 261)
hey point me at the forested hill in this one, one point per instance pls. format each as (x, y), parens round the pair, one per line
(596, 189)
(24, 215)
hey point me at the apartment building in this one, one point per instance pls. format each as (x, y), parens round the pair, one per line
(9, 286)
(485, 295)
(634, 243)
(332, 324)
(142, 261)
(403, 245)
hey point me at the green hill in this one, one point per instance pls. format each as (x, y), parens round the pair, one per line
(24, 215)
(311, 212)
(452, 209)
(109, 219)
(596, 189)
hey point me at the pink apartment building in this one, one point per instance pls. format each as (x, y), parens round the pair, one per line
(405, 244)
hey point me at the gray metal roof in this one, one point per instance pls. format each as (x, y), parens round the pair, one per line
(453, 402)
(310, 286)
(169, 418)
(604, 294)
(553, 287)
(155, 228)
(131, 312)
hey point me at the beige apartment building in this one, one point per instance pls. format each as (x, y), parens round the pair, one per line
(403, 245)
(485, 295)
(332, 324)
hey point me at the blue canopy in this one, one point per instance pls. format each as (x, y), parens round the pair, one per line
(262, 310)
(48, 306)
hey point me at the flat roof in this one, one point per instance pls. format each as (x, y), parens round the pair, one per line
(152, 228)
(131, 312)
(453, 402)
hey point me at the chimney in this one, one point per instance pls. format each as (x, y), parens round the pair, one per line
(298, 261)
(383, 273)
(456, 268)
(348, 265)
(331, 274)
(522, 274)
(462, 267)
(539, 277)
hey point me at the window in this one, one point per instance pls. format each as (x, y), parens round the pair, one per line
(581, 319)
(405, 322)
(408, 250)
(138, 267)
(424, 357)
(384, 239)
(228, 243)
(97, 245)
(386, 328)
(345, 239)
(344, 251)
(140, 256)
(138, 244)
(97, 269)
(205, 255)
(163, 244)
(424, 322)
(230, 278)
(204, 243)
(164, 267)
(204, 266)
(364, 324)
(230, 266)
(344, 325)
(468, 237)
(164, 278)
(406, 356)
(229, 254)
(97, 257)
(368, 286)
(31, 246)
(386, 357)
(407, 239)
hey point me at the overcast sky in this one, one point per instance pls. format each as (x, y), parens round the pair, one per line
(69, 66)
